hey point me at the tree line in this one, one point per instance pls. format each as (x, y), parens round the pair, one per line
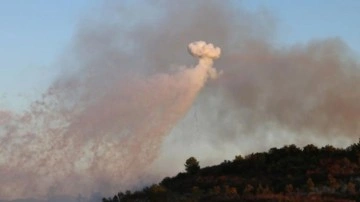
(289, 173)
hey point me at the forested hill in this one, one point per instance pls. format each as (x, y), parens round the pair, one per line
(281, 174)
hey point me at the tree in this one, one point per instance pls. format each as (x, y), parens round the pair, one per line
(310, 149)
(289, 188)
(248, 189)
(351, 188)
(157, 193)
(192, 165)
(310, 184)
(333, 182)
(238, 158)
(260, 189)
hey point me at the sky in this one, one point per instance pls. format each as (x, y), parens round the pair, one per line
(306, 20)
(34, 34)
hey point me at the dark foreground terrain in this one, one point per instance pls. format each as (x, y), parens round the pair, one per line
(281, 174)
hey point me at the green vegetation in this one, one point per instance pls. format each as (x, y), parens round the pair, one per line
(192, 166)
(281, 174)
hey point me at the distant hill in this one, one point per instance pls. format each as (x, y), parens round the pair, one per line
(281, 174)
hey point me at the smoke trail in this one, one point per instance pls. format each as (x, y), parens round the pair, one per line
(102, 122)
(107, 141)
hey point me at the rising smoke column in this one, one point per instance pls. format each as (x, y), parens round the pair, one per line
(106, 144)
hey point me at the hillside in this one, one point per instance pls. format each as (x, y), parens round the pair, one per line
(281, 174)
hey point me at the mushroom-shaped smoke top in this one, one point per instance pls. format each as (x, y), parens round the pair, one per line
(202, 49)
(206, 52)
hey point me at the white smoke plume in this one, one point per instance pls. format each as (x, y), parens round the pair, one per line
(207, 53)
(109, 141)
(204, 51)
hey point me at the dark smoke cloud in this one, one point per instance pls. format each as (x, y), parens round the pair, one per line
(309, 88)
(103, 122)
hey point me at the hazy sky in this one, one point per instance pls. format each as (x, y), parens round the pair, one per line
(34, 34)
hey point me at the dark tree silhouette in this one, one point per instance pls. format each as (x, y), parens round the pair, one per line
(282, 174)
(192, 165)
